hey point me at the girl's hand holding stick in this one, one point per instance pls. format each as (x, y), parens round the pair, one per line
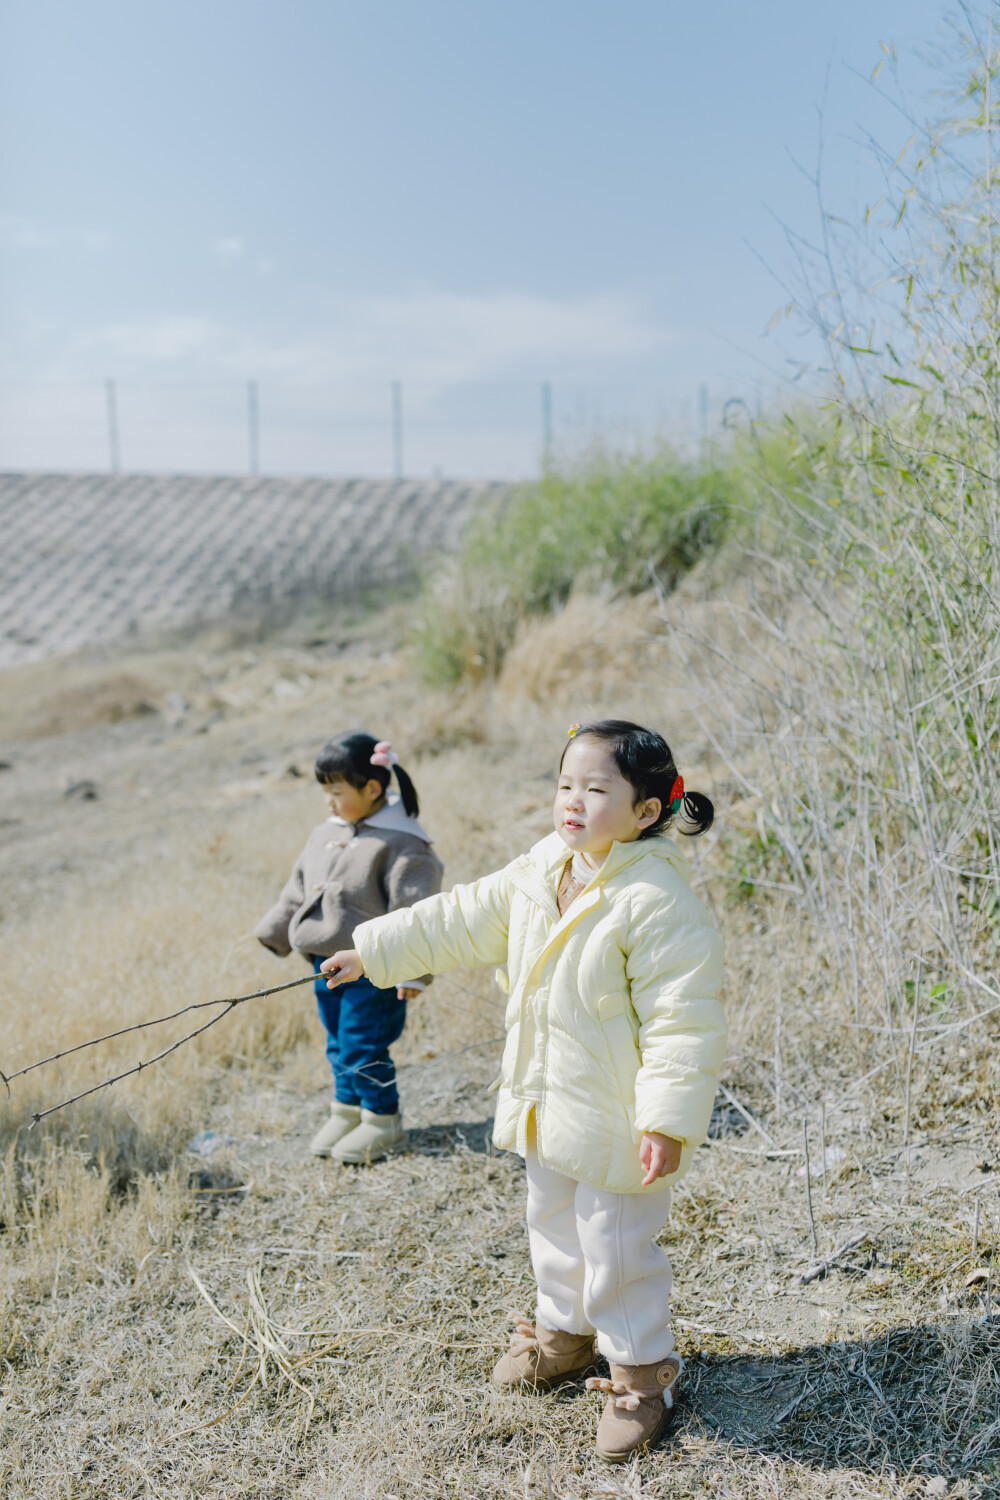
(343, 968)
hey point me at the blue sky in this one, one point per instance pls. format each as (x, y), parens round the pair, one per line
(435, 191)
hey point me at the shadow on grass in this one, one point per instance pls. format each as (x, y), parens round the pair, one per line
(923, 1399)
(458, 1135)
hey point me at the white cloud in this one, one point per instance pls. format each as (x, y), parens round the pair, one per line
(156, 340)
(424, 336)
(17, 232)
(450, 336)
(444, 337)
(229, 248)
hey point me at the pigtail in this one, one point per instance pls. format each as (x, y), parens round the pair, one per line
(697, 813)
(385, 760)
(408, 793)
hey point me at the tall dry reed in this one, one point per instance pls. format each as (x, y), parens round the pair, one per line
(855, 698)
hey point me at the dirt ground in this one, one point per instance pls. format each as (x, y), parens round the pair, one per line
(184, 1314)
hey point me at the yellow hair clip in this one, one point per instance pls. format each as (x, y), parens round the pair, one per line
(572, 730)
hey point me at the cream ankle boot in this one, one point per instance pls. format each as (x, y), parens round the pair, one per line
(640, 1405)
(343, 1119)
(540, 1357)
(371, 1140)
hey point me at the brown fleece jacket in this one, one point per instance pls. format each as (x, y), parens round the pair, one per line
(346, 874)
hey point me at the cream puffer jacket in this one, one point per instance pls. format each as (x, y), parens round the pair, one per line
(613, 1022)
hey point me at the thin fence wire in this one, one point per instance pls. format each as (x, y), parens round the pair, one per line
(501, 429)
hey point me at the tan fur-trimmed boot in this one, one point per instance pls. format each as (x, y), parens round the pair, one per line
(639, 1407)
(540, 1358)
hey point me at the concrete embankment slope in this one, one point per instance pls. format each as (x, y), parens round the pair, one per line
(87, 558)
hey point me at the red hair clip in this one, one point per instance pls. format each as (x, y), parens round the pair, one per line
(677, 794)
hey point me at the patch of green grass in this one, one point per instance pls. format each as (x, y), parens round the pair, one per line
(613, 520)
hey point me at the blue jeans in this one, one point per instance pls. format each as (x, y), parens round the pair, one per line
(361, 1025)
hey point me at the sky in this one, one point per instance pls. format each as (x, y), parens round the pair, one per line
(468, 197)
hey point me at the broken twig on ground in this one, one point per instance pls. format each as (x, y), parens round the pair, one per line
(821, 1267)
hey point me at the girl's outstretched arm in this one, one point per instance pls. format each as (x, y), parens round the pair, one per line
(467, 925)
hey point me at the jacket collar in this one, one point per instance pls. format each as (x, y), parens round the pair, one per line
(392, 818)
(550, 854)
(537, 873)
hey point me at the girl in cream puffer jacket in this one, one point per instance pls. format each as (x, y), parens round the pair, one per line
(615, 1037)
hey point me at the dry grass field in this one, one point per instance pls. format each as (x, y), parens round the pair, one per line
(246, 1321)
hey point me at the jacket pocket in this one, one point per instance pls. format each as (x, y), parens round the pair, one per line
(625, 1057)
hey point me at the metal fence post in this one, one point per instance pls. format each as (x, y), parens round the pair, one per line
(114, 450)
(253, 423)
(546, 423)
(397, 429)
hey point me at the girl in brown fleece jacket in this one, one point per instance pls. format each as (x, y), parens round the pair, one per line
(369, 857)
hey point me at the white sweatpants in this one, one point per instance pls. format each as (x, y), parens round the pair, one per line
(597, 1265)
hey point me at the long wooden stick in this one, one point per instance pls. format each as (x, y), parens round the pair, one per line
(229, 1004)
(109, 1036)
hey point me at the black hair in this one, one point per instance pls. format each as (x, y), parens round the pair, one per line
(643, 757)
(350, 756)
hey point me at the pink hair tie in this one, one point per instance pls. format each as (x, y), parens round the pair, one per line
(385, 755)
